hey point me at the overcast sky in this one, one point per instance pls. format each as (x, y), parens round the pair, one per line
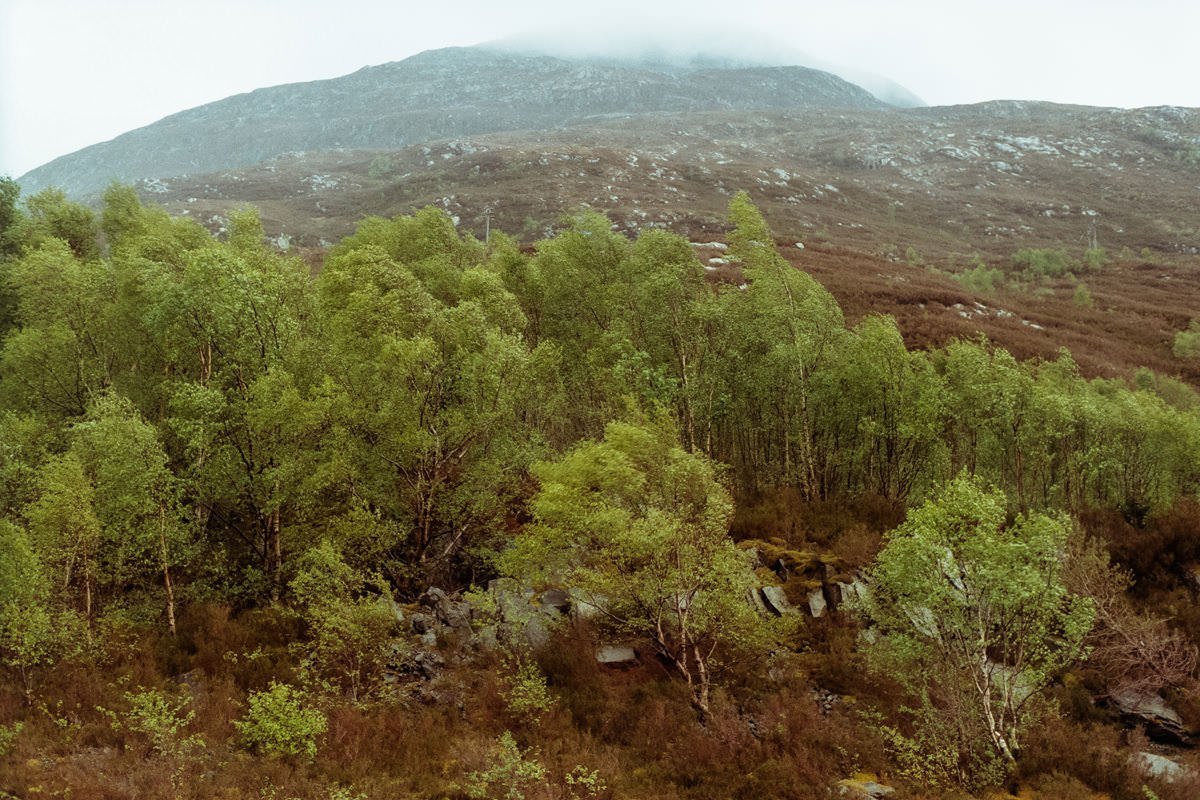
(76, 72)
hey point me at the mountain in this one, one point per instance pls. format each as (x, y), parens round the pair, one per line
(987, 178)
(437, 94)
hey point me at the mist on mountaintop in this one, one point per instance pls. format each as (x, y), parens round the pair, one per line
(684, 46)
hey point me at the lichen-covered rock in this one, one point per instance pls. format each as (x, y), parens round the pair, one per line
(863, 789)
(1153, 765)
(522, 615)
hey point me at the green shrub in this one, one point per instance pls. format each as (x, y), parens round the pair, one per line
(8, 737)
(1082, 296)
(508, 776)
(526, 694)
(584, 784)
(161, 719)
(1095, 257)
(349, 627)
(981, 280)
(278, 724)
(1044, 262)
(1187, 343)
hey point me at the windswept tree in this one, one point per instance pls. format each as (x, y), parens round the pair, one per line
(638, 528)
(787, 327)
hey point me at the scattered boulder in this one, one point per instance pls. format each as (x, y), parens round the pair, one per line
(421, 623)
(776, 600)
(1153, 765)
(756, 600)
(406, 659)
(584, 606)
(449, 611)
(428, 663)
(826, 701)
(799, 245)
(816, 603)
(853, 591)
(555, 601)
(615, 655)
(1162, 722)
(863, 789)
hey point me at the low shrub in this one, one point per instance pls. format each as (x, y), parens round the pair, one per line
(278, 723)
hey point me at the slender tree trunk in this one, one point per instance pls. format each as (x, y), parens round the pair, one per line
(700, 690)
(87, 602)
(995, 726)
(166, 565)
(689, 417)
(277, 552)
(708, 424)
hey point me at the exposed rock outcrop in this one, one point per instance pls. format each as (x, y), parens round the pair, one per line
(1150, 710)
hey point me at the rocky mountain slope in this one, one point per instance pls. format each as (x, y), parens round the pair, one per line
(890, 205)
(433, 95)
(988, 178)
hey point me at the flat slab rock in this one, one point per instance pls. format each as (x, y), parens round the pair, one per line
(1162, 722)
(616, 655)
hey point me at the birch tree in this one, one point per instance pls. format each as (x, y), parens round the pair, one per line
(973, 615)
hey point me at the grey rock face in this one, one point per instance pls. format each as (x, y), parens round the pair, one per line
(816, 603)
(524, 616)
(776, 600)
(449, 611)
